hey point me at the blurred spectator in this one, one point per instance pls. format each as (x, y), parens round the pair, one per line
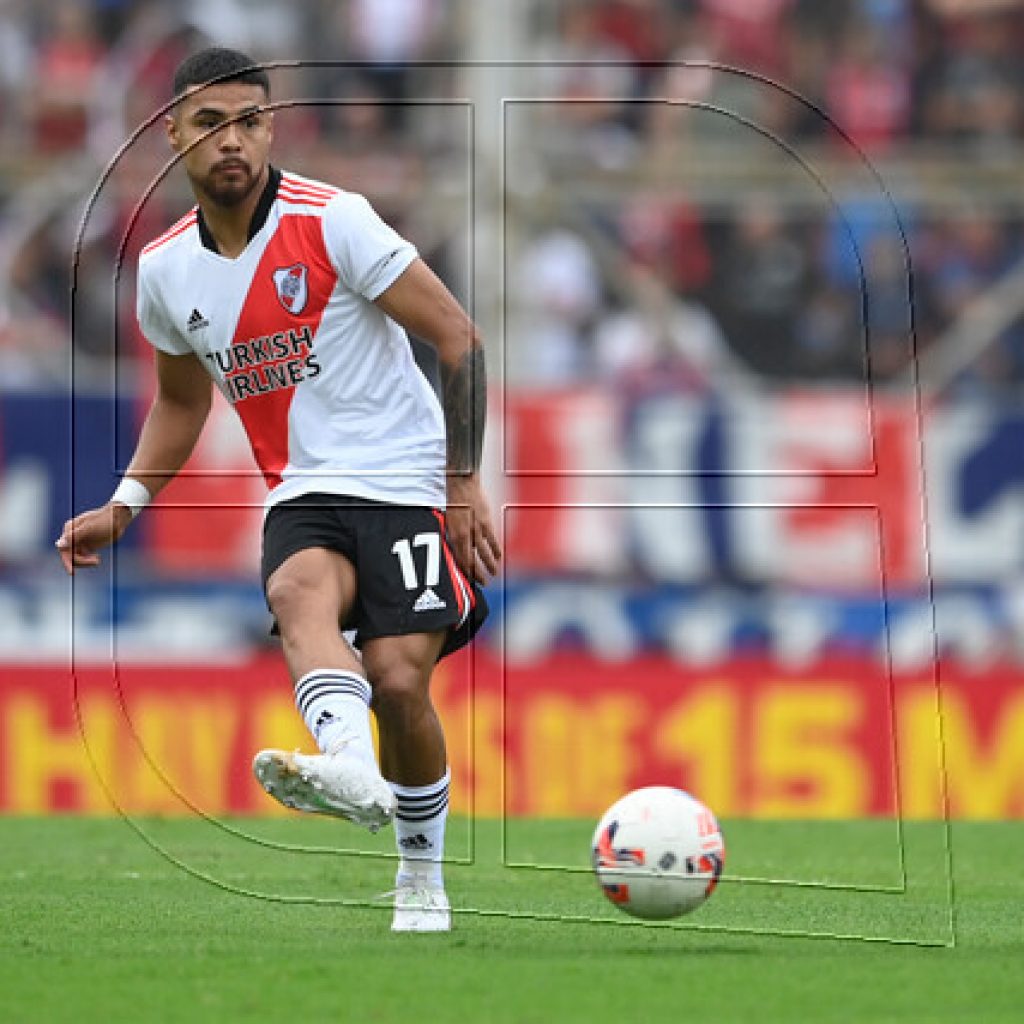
(261, 28)
(974, 252)
(703, 77)
(111, 16)
(642, 29)
(868, 92)
(64, 78)
(971, 88)
(887, 342)
(392, 32)
(762, 279)
(893, 23)
(748, 33)
(667, 236)
(16, 59)
(390, 35)
(592, 76)
(810, 47)
(140, 72)
(661, 342)
(370, 154)
(558, 292)
(852, 228)
(828, 336)
(639, 27)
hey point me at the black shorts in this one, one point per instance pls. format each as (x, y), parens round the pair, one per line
(407, 579)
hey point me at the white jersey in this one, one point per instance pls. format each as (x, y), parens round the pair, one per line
(324, 382)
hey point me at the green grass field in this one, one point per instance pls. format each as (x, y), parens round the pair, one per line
(100, 927)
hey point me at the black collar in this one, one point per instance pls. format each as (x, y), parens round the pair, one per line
(259, 215)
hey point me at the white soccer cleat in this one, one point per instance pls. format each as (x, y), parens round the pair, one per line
(339, 784)
(420, 908)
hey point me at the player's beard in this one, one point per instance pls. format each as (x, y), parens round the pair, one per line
(225, 191)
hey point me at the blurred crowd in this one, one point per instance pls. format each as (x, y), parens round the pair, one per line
(885, 70)
(648, 284)
(81, 82)
(666, 284)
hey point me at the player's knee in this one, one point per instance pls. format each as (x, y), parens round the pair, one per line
(290, 600)
(398, 688)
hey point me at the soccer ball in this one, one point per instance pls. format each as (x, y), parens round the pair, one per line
(658, 853)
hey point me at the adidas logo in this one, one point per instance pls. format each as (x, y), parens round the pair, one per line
(428, 601)
(416, 842)
(197, 320)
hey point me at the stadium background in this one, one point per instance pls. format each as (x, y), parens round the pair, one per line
(751, 517)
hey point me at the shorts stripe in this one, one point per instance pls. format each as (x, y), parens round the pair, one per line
(467, 599)
(463, 594)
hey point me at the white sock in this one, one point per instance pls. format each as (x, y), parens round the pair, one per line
(335, 705)
(420, 816)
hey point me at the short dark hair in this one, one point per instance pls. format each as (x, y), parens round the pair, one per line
(218, 64)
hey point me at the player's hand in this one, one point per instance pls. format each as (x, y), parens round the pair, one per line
(84, 535)
(471, 533)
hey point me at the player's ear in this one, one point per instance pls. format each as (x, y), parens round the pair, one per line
(173, 134)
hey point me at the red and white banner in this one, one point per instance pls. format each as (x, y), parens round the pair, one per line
(825, 487)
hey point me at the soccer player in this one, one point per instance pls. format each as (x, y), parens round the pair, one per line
(294, 297)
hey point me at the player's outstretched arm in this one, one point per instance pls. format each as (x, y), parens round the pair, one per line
(421, 303)
(169, 434)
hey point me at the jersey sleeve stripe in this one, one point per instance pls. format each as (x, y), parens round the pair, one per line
(305, 186)
(298, 199)
(182, 225)
(302, 201)
(291, 190)
(307, 190)
(296, 179)
(179, 225)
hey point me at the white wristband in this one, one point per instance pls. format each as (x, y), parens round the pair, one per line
(133, 495)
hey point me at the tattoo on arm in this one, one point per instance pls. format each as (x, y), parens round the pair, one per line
(464, 399)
